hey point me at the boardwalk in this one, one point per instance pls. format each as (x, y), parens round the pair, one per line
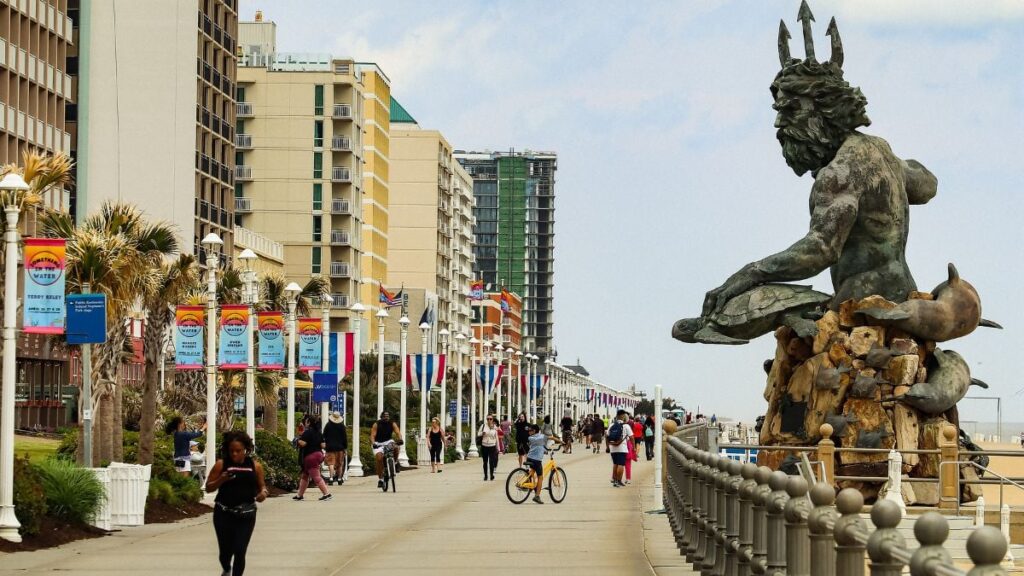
(451, 523)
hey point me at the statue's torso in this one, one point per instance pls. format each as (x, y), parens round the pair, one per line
(873, 260)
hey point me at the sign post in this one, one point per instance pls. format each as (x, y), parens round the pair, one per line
(86, 325)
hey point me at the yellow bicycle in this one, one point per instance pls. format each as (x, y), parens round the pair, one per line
(522, 482)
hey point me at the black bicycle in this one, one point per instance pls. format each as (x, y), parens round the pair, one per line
(390, 465)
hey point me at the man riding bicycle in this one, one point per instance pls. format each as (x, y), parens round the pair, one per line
(535, 457)
(383, 431)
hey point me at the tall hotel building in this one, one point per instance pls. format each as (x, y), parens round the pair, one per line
(299, 164)
(515, 233)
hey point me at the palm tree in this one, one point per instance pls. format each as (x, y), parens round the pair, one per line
(117, 252)
(174, 279)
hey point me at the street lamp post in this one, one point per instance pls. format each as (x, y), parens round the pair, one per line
(533, 388)
(10, 186)
(498, 357)
(443, 410)
(519, 386)
(355, 466)
(382, 316)
(422, 456)
(291, 292)
(485, 394)
(403, 456)
(325, 351)
(511, 384)
(472, 399)
(549, 396)
(249, 275)
(459, 344)
(211, 242)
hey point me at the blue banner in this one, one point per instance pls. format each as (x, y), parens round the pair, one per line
(233, 351)
(188, 337)
(325, 386)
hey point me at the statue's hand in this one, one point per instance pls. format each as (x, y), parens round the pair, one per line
(736, 284)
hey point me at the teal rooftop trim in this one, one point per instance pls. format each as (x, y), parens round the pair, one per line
(400, 114)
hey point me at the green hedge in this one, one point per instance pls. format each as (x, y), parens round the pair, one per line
(280, 461)
(72, 494)
(29, 498)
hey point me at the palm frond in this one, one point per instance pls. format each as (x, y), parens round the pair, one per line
(313, 291)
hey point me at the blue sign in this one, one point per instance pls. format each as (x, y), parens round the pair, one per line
(87, 318)
(338, 402)
(465, 413)
(325, 385)
(451, 408)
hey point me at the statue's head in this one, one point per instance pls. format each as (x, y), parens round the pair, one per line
(817, 108)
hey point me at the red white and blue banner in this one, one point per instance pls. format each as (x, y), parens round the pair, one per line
(425, 369)
(590, 394)
(271, 344)
(506, 306)
(491, 377)
(310, 345)
(537, 383)
(342, 346)
(388, 299)
(43, 306)
(188, 337)
(233, 345)
(476, 290)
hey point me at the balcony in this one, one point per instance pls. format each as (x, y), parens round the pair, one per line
(243, 140)
(340, 270)
(341, 301)
(260, 244)
(340, 174)
(341, 144)
(243, 109)
(340, 238)
(341, 206)
(243, 172)
(243, 204)
(342, 112)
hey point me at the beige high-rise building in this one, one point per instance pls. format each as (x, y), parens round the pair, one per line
(35, 85)
(376, 170)
(300, 166)
(430, 232)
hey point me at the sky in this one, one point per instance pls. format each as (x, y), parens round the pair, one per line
(669, 174)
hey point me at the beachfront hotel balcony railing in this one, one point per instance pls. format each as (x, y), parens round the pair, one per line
(259, 243)
(341, 301)
(341, 143)
(243, 172)
(342, 111)
(341, 270)
(243, 140)
(341, 206)
(340, 174)
(243, 109)
(243, 204)
(340, 238)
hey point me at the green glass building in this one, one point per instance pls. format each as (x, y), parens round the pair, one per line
(515, 233)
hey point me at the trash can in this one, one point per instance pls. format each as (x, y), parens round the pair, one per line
(102, 519)
(129, 487)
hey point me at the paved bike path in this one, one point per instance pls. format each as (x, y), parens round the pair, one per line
(451, 523)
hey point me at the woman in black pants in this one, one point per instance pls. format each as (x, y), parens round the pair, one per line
(649, 437)
(436, 443)
(239, 483)
(488, 434)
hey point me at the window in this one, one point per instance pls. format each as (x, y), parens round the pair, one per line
(318, 196)
(318, 100)
(318, 165)
(315, 260)
(240, 94)
(317, 228)
(318, 133)
(240, 126)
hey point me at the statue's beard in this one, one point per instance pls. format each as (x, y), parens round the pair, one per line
(806, 149)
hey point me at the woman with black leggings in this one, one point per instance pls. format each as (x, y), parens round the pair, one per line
(436, 443)
(488, 434)
(238, 481)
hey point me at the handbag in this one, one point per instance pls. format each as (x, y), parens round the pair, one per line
(245, 511)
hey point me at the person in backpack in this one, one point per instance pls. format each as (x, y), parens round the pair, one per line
(336, 441)
(649, 437)
(619, 435)
(638, 433)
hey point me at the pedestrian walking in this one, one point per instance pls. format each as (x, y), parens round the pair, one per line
(566, 432)
(488, 436)
(522, 436)
(631, 457)
(618, 444)
(596, 433)
(506, 431)
(546, 428)
(638, 433)
(336, 444)
(587, 424)
(238, 481)
(649, 437)
(182, 444)
(311, 456)
(436, 441)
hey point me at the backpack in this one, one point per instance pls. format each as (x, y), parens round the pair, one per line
(648, 432)
(615, 432)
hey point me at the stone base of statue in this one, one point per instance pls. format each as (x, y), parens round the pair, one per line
(877, 386)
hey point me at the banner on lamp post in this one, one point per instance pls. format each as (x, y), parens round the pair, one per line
(188, 337)
(271, 346)
(233, 345)
(43, 306)
(310, 348)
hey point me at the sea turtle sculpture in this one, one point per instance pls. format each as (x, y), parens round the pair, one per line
(755, 312)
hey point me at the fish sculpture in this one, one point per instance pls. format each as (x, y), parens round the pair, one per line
(947, 384)
(866, 386)
(829, 378)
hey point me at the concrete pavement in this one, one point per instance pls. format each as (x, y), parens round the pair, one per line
(452, 523)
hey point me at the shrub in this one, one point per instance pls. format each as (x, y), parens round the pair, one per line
(280, 461)
(73, 494)
(161, 490)
(29, 498)
(68, 444)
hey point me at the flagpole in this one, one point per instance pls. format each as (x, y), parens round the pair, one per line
(472, 399)
(459, 344)
(403, 455)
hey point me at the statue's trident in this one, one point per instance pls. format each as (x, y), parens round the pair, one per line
(805, 17)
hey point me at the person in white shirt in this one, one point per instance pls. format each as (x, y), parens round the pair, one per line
(619, 435)
(488, 434)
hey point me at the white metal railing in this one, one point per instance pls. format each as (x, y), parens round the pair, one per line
(340, 238)
(341, 206)
(259, 244)
(341, 270)
(243, 109)
(243, 204)
(342, 111)
(341, 143)
(341, 174)
(243, 172)
(243, 140)
(341, 300)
